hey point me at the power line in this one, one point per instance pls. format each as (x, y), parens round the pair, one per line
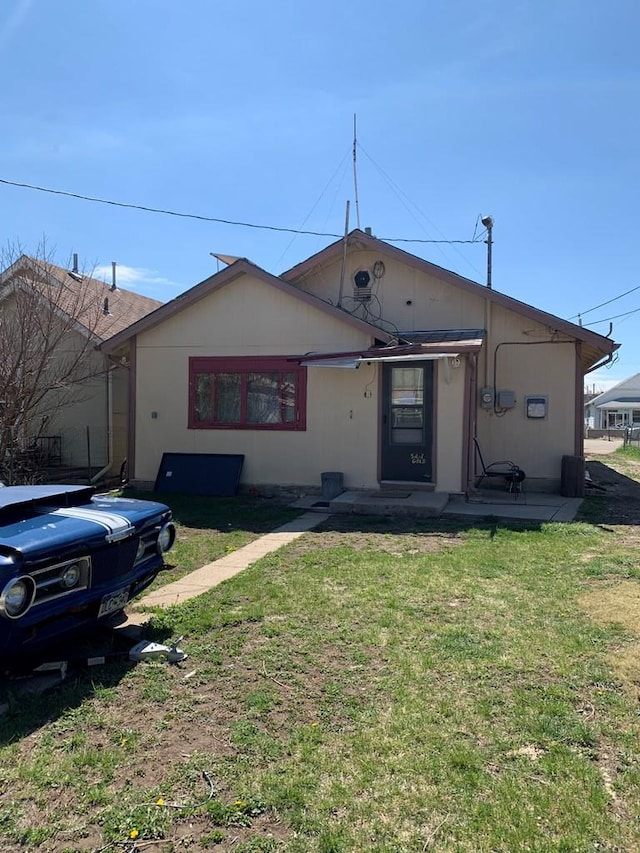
(602, 304)
(146, 209)
(616, 317)
(182, 215)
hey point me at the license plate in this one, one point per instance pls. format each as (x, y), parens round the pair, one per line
(113, 601)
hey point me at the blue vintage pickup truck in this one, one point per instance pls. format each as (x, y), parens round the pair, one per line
(69, 558)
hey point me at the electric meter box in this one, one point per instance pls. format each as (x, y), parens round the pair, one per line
(486, 398)
(536, 407)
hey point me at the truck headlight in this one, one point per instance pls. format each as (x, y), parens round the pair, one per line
(70, 576)
(166, 538)
(17, 596)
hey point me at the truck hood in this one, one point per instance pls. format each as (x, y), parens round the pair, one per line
(47, 518)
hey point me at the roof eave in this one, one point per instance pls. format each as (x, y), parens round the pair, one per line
(221, 279)
(334, 250)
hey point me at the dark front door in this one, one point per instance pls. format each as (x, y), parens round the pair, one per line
(407, 421)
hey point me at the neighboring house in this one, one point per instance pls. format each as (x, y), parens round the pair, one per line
(364, 360)
(81, 418)
(617, 408)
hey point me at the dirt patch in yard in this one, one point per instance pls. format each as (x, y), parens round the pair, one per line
(397, 536)
(619, 501)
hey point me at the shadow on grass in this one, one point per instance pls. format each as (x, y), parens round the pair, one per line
(243, 512)
(262, 515)
(403, 525)
(94, 661)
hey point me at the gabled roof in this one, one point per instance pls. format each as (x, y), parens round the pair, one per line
(630, 384)
(620, 403)
(220, 279)
(595, 346)
(82, 297)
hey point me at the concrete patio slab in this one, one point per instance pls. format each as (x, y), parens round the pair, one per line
(506, 507)
(487, 503)
(385, 502)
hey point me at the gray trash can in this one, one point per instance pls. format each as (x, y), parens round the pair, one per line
(332, 484)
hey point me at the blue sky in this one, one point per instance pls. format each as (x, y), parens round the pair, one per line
(526, 110)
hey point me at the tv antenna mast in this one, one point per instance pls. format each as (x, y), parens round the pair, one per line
(355, 173)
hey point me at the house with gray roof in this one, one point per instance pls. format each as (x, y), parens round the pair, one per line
(617, 408)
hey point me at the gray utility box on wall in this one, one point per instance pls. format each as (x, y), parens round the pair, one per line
(506, 399)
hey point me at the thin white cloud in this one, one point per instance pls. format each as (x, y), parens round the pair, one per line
(14, 19)
(140, 280)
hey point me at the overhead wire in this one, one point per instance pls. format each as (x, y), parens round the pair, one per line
(406, 201)
(342, 165)
(615, 317)
(202, 218)
(602, 304)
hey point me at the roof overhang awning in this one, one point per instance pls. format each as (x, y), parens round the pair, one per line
(351, 362)
(428, 346)
(620, 404)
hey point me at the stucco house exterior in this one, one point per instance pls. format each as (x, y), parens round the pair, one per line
(617, 408)
(83, 421)
(363, 359)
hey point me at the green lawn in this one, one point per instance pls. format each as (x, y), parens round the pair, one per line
(374, 686)
(210, 528)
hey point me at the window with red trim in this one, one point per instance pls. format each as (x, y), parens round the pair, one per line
(247, 393)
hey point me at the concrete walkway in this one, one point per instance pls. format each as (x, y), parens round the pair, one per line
(601, 446)
(220, 570)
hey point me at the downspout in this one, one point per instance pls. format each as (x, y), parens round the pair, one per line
(600, 364)
(97, 477)
(469, 427)
(578, 449)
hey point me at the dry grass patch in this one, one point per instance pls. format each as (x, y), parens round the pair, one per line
(617, 603)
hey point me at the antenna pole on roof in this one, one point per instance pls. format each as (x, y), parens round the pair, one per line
(487, 221)
(344, 255)
(355, 174)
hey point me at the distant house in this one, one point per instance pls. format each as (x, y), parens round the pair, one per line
(81, 417)
(617, 408)
(364, 360)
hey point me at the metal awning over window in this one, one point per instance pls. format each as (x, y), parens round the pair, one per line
(352, 363)
(415, 346)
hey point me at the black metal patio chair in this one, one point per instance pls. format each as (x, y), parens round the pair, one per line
(509, 471)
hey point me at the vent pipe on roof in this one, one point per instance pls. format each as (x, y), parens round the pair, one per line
(105, 307)
(75, 263)
(367, 231)
(114, 286)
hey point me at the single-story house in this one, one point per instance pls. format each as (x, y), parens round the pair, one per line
(617, 408)
(365, 360)
(53, 321)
